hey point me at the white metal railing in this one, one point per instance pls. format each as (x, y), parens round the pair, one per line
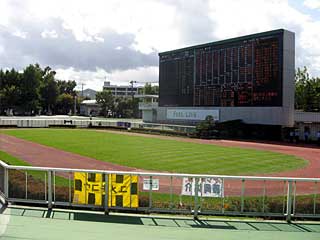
(238, 195)
(47, 122)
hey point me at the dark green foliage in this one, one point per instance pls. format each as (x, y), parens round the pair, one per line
(149, 89)
(48, 90)
(240, 130)
(33, 90)
(206, 129)
(64, 103)
(106, 100)
(307, 94)
(124, 107)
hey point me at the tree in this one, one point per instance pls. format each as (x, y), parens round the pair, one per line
(67, 87)
(30, 83)
(33, 89)
(106, 100)
(64, 103)
(48, 90)
(206, 129)
(307, 92)
(149, 89)
(9, 89)
(126, 107)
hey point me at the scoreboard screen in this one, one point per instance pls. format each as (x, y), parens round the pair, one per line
(244, 71)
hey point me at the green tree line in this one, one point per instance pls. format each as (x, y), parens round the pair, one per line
(307, 93)
(35, 90)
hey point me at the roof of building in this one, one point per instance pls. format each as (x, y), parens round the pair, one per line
(120, 86)
(89, 102)
(145, 96)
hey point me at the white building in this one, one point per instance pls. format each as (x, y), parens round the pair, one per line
(148, 105)
(121, 91)
(89, 108)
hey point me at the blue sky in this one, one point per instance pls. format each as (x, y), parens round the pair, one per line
(301, 6)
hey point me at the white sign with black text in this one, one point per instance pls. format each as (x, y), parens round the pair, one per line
(192, 114)
(154, 182)
(207, 187)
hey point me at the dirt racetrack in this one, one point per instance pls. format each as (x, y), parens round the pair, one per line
(44, 156)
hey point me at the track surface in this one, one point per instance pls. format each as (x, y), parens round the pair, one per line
(44, 156)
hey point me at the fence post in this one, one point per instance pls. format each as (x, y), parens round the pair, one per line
(49, 189)
(6, 183)
(106, 194)
(289, 202)
(242, 194)
(150, 193)
(196, 204)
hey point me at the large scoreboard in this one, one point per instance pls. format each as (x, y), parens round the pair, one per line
(239, 72)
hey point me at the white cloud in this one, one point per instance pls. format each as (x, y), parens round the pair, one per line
(160, 25)
(263, 15)
(5, 13)
(146, 19)
(49, 34)
(313, 4)
(20, 34)
(95, 79)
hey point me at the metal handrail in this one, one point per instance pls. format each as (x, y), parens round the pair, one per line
(289, 195)
(159, 173)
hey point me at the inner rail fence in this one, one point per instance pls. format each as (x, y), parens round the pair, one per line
(80, 123)
(196, 194)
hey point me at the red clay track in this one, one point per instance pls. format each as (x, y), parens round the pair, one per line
(40, 155)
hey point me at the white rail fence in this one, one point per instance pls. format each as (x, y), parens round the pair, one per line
(44, 123)
(162, 192)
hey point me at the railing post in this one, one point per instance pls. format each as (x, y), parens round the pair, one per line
(49, 189)
(242, 194)
(196, 204)
(289, 202)
(106, 194)
(171, 193)
(6, 183)
(150, 193)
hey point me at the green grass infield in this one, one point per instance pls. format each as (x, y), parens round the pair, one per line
(161, 154)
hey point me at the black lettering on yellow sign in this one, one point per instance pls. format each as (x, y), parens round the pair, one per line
(89, 188)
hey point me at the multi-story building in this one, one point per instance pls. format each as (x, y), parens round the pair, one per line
(121, 91)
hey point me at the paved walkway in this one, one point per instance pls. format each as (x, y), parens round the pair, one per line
(36, 223)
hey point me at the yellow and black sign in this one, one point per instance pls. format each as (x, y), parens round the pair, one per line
(89, 188)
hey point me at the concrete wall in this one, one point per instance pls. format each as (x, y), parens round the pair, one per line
(147, 115)
(310, 120)
(288, 78)
(257, 115)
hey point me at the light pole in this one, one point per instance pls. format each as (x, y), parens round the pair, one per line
(75, 105)
(132, 82)
(133, 109)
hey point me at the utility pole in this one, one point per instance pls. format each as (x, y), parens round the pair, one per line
(82, 84)
(75, 105)
(132, 94)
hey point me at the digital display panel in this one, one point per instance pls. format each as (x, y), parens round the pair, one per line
(245, 71)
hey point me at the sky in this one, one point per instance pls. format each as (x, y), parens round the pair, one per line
(119, 41)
